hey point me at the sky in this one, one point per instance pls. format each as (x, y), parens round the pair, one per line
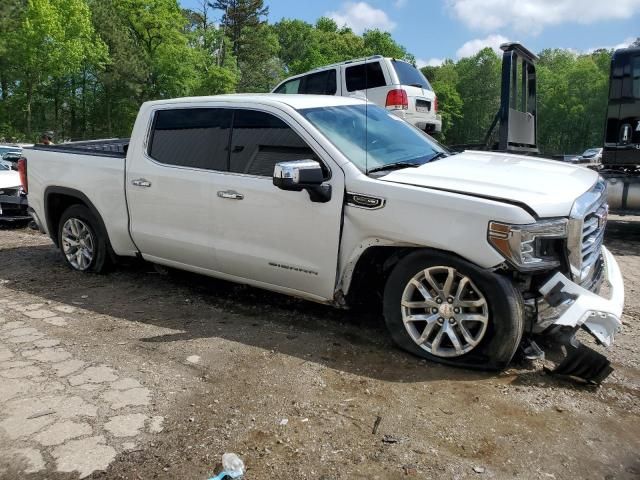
(433, 30)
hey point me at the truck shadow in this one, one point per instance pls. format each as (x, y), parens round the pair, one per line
(201, 307)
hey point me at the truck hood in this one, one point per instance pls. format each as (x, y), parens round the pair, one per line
(9, 179)
(547, 187)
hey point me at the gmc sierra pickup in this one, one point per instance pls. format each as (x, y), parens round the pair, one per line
(472, 255)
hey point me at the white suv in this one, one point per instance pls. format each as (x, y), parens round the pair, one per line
(396, 85)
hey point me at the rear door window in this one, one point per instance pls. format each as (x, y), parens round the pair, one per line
(321, 83)
(364, 76)
(260, 140)
(191, 137)
(410, 75)
(292, 86)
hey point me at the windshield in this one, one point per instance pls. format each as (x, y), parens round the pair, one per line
(389, 139)
(410, 75)
(591, 152)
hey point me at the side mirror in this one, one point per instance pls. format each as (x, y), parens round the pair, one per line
(301, 175)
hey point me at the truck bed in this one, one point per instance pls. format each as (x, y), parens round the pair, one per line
(110, 147)
(95, 170)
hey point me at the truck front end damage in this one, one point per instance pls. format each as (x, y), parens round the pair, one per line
(588, 294)
(565, 307)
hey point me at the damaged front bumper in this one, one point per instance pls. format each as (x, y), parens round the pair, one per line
(569, 307)
(579, 307)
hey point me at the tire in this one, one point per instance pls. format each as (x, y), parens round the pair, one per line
(489, 309)
(78, 224)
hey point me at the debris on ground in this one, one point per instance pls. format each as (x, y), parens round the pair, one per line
(376, 424)
(232, 467)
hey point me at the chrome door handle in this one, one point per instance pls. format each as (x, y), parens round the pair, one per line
(141, 182)
(231, 195)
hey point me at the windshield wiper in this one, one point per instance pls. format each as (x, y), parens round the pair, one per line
(439, 155)
(394, 166)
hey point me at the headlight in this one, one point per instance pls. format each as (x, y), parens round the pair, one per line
(529, 247)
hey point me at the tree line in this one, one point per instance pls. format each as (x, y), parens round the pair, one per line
(81, 68)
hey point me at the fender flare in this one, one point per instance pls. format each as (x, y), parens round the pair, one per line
(71, 192)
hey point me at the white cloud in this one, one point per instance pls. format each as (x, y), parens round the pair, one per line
(360, 16)
(532, 16)
(624, 44)
(431, 62)
(472, 47)
(400, 3)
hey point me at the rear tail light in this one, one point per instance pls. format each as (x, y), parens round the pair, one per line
(435, 104)
(397, 99)
(22, 170)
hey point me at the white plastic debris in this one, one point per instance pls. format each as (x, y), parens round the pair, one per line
(284, 421)
(233, 465)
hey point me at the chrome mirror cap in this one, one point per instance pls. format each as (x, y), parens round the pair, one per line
(297, 173)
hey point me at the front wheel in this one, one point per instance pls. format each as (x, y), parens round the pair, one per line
(448, 310)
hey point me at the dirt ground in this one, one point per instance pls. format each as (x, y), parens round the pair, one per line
(296, 388)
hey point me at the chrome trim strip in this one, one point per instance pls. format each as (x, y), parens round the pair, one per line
(376, 202)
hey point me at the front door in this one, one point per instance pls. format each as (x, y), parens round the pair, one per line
(269, 235)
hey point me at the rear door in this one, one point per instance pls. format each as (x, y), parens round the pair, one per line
(321, 83)
(366, 80)
(170, 185)
(324, 82)
(269, 235)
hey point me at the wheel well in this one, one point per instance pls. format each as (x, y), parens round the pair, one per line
(370, 275)
(56, 205)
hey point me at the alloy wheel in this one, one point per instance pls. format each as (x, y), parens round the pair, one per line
(77, 243)
(444, 312)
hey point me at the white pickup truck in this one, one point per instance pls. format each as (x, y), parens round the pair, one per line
(338, 201)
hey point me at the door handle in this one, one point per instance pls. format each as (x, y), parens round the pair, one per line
(141, 182)
(231, 195)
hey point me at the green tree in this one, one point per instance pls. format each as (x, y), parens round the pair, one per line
(444, 80)
(55, 38)
(157, 28)
(572, 99)
(479, 87)
(240, 16)
(258, 60)
(121, 82)
(217, 73)
(377, 42)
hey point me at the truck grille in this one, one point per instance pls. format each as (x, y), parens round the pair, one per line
(593, 236)
(586, 235)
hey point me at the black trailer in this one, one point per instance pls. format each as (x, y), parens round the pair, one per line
(621, 154)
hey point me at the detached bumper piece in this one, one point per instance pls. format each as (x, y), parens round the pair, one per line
(584, 363)
(577, 308)
(14, 207)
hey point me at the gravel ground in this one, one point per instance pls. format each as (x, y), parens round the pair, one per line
(173, 371)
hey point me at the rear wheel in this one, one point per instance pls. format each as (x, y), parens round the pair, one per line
(448, 310)
(82, 243)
